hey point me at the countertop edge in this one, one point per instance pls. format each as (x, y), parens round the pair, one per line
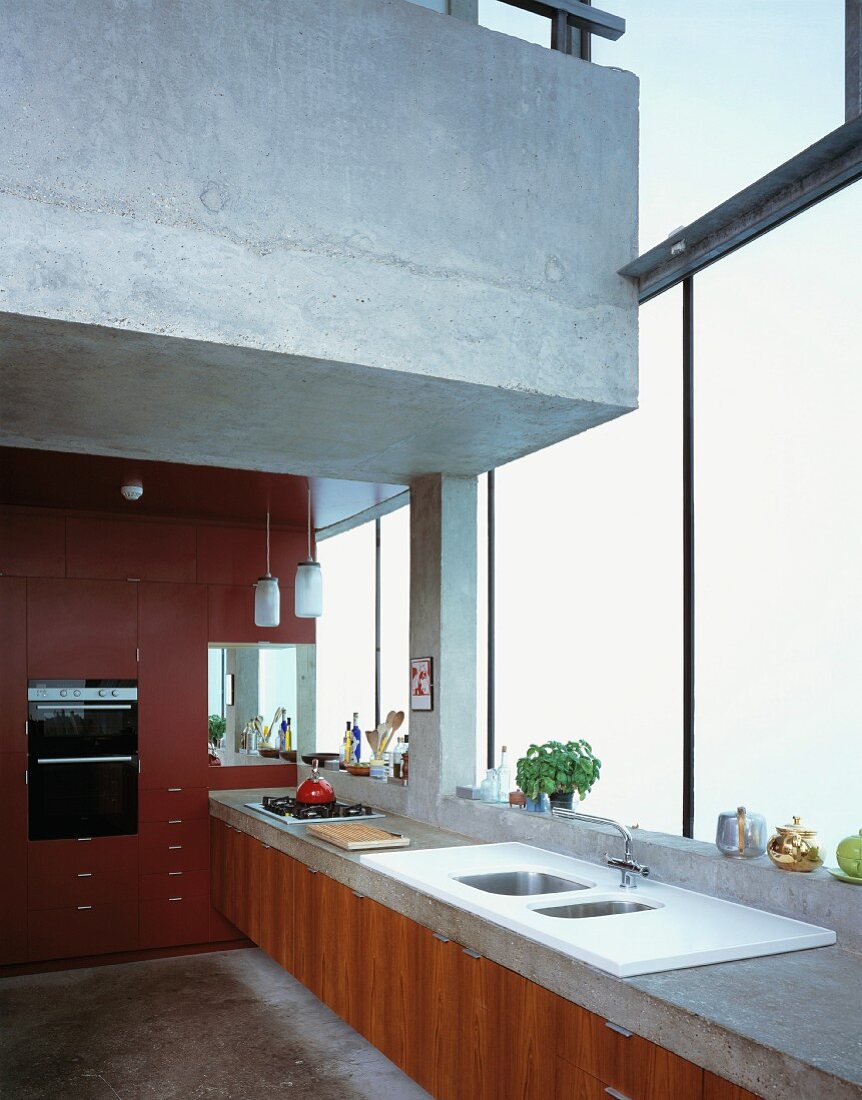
(743, 1059)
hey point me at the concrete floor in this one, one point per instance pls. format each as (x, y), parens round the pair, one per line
(226, 1025)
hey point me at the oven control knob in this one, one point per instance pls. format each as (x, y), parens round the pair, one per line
(77, 693)
(115, 693)
(63, 694)
(102, 693)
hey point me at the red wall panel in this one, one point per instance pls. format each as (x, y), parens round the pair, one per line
(82, 628)
(32, 545)
(250, 777)
(117, 549)
(13, 664)
(13, 830)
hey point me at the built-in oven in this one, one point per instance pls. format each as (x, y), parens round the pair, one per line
(82, 772)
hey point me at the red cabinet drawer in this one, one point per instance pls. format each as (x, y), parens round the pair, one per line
(175, 920)
(118, 549)
(169, 884)
(69, 889)
(180, 847)
(174, 804)
(67, 933)
(102, 853)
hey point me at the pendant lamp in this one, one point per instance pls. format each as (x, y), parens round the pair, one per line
(309, 582)
(267, 601)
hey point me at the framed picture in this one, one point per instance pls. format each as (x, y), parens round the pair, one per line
(421, 683)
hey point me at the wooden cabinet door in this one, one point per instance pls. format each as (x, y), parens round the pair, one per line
(277, 906)
(172, 686)
(222, 854)
(120, 549)
(574, 1084)
(82, 628)
(393, 945)
(633, 1066)
(313, 946)
(716, 1088)
(13, 664)
(525, 1023)
(13, 829)
(347, 965)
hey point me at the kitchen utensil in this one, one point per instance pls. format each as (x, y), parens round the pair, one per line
(321, 756)
(849, 855)
(358, 769)
(795, 848)
(373, 739)
(314, 790)
(740, 834)
(355, 835)
(393, 724)
(269, 752)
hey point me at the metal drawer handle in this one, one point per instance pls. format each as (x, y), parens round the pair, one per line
(85, 874)
(173, 790)
(471, 954)
(438, 936)
(85, 907)
(360, 896)
(174, 873)
(81, 839)
(620, 1031)
(616, 1095)
(175, 821)
(174, 847)
(311, 870)
(84, 760)
(175, 899)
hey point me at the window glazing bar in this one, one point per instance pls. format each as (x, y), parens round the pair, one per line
(492, 625)
(688, 555)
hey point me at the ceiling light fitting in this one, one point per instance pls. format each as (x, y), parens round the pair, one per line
(308, 589)
(267, 599)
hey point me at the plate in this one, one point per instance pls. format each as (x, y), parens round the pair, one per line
(289, 755)
(309, 758)
(358, 769)
(836, 872)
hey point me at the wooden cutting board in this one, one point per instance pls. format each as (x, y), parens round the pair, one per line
(355, 834)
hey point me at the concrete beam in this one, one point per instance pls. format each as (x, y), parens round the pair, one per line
(443, 626)
(827, 166)
(366, 516)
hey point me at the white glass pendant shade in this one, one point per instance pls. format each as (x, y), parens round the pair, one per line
(309, 590)
(267, 602)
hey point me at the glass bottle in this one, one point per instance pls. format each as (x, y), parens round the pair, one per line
(357, 738)
(396, 758)
(504, 778)
(489, 786)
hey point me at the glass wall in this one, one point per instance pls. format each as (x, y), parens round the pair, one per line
(588, 593)
(779, 525)
(345, 635)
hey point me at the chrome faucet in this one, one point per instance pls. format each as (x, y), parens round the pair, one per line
(627, 866)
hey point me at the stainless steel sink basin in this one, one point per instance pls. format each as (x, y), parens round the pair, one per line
(593, 909)
(520, 883)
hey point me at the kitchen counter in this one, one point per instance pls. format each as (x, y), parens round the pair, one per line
(784, 1026)
(232, 759)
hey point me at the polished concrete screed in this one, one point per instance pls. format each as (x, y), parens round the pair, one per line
(226, 1025)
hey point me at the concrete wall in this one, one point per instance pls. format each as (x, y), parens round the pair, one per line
(358, 182)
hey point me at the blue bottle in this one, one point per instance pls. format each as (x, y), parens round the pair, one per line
(357, 738)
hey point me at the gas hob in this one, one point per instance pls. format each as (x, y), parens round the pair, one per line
(289, 812)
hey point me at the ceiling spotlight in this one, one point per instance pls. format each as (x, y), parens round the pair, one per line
(132, 489)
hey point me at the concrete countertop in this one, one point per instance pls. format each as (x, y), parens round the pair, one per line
(784, 1026)
(232, 759)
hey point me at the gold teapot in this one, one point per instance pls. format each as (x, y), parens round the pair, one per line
(795, 847)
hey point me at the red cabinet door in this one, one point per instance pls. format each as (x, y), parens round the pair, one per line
(81, 628)
(32, 545)
(117, 549)
(13, 664)
(13, 830)
(172, 686)
(237, 555)
(231, 617)
(175, 920)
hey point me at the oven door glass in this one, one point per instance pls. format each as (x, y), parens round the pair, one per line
(82, 797)
(85, 729)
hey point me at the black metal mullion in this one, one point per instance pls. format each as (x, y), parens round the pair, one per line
(377, 631)
(492, 731)
(688, 554)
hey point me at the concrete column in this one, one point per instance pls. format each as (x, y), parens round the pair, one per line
(305, 725)
(246, 685)
(443, 627)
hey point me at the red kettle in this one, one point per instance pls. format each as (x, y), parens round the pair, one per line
(314, 791)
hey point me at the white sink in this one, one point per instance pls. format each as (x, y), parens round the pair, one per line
(675, 928)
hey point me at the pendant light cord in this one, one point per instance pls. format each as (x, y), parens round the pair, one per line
(267, 542)
(309, 524)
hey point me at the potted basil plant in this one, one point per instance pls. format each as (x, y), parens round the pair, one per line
(217, 726)
(556, 771)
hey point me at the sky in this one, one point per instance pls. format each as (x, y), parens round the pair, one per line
(592, 645)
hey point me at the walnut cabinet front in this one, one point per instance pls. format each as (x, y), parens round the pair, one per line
(457, 1023)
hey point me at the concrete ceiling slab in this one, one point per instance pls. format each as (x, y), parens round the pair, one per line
(98, 390)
